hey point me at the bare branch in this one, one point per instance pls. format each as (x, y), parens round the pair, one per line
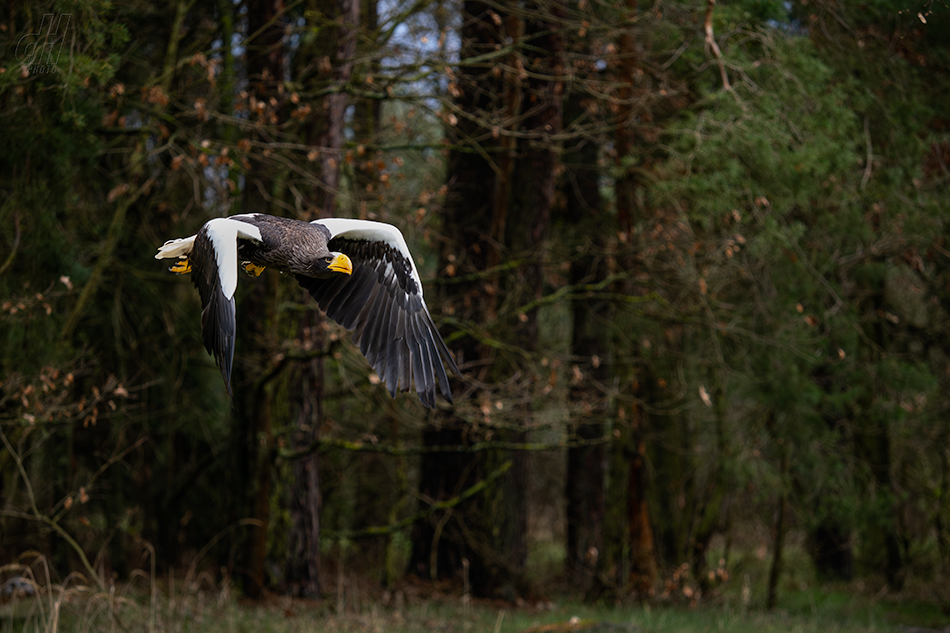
(712, 45)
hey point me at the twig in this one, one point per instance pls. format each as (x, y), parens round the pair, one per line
(447, 504)
(214, 540)
(869, 161)
(105, 258)
(400, 450)
(105, 466)
(171, 51)
(16, 241)
(711, 43)
(38, 516)
(676, 55)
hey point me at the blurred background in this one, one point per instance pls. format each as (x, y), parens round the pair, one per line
(691, 257)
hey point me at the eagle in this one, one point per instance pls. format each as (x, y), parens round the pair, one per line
(360, 273)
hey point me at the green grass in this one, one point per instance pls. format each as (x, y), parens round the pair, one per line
(201, 601)
(197, 610)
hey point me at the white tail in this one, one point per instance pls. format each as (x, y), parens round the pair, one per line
(176, 248)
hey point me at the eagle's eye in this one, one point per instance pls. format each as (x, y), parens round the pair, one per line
(328, 259)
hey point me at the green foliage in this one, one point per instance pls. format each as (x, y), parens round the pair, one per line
(773, 178)
(780, 136)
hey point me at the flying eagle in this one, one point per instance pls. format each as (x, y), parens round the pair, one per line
(360, 273)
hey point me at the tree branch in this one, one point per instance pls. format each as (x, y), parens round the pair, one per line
(383, 530)
(350, 445)
(42, 518)
(105, 258)
(16, 241)
(713, 46)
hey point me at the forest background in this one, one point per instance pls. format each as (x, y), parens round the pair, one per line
(691, 258)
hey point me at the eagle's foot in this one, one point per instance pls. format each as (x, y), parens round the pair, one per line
(253, 269)
(182, 267)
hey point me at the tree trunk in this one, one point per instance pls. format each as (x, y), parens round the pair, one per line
(872, 437)
(639, 537)
(329, 124)
(639, 540)
(256, 318)
(589, 406)
(306, 390)
(440, 545)
(830, 548)
(516, 220)
(829, 542)
(778, 539)
(526, 216)
(714, 507)
(304, 384)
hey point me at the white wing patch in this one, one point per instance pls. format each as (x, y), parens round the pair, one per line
(372, 232)
(223, 234)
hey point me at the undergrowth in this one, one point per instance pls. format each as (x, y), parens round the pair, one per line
(200, 601)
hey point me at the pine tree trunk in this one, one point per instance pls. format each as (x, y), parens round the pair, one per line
(829, 541)
(584, 492)
(514, 219)
(440, 547)
(639, 539)
(642, 568)
(257, 314)
(304, 384)
(306, 392)
(778, 539)
(528, 214)
(872, 436)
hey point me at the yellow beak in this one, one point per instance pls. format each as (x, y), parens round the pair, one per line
(341, 264)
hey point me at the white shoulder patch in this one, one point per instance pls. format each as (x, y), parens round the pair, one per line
(223, 234)
(246, 230)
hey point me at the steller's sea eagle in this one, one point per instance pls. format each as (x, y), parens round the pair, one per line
(360, 272)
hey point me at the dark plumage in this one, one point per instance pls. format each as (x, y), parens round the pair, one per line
(360, 273)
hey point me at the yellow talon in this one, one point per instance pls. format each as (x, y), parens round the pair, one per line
(183, 267)
(253, 269)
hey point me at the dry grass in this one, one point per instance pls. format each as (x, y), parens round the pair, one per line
(197, 601)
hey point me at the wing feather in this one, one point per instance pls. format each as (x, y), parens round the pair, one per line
(382, 304)
(373, 346)
(363, 327)
(357, 293)
(403, 353)
(214, 273)
(422, 365)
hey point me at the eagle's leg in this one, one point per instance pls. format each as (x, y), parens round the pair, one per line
(181, 267)
(253, 269)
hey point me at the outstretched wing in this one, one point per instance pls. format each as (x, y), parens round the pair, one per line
(214, 262)
(381, 302)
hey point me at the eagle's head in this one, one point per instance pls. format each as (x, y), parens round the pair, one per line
(330, 265)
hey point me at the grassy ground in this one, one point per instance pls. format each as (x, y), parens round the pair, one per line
(201, 602)
(842, 608)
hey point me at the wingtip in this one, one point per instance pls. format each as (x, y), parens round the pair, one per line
(446, 391)
(225, 375)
